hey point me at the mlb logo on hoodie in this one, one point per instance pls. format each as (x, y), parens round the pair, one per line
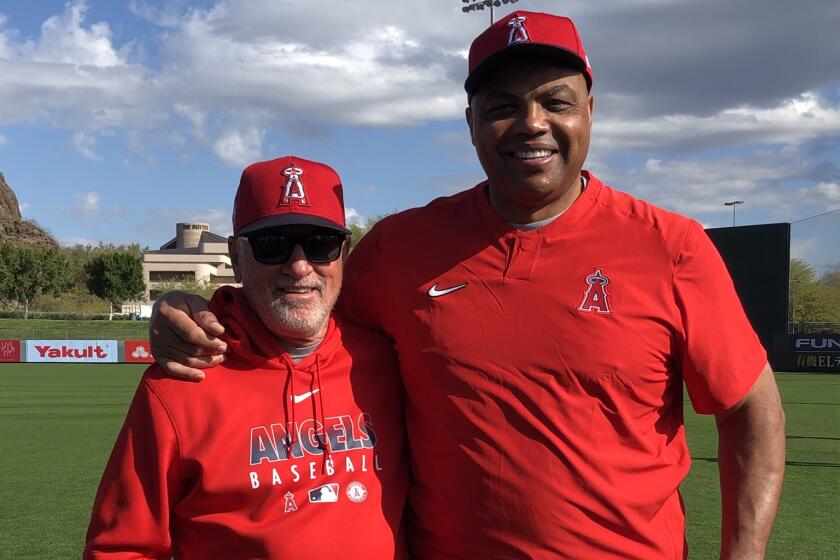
(324, 494)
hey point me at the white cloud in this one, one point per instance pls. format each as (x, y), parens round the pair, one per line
(65, 40)
(87, 203)
(831, 191)
(352, 216)
(239, 148)
(164, 16)
(3, 140)
(794, 121)
(769, 181)
(85, 145)
(228, 72)
(24, 207)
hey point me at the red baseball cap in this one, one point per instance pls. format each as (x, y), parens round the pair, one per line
(288, 191)
(526, 33)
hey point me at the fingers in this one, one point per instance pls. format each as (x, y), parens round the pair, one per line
(187, 367)
(179, 338)
(175, 369)
(186, 316)
(207, 321)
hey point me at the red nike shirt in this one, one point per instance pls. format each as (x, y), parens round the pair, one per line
(544, 370)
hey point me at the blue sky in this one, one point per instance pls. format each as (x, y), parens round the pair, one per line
(118, 119)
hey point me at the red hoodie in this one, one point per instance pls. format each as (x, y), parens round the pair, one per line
(201, 470)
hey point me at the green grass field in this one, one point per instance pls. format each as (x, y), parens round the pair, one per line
(58, 423)
(49, 329)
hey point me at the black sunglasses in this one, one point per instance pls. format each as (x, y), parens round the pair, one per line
(274, 247)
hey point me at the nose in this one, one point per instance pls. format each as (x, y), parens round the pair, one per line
(533, 119)
(298, 265)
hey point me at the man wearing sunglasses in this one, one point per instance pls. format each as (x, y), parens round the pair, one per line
(546, 325)
(294, 446)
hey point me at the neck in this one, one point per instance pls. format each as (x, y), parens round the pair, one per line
(297, 341)
(538, 209)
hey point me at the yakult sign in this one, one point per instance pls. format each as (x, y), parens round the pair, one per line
(71, 351)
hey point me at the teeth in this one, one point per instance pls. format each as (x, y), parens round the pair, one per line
(532, 154)
(295, 290)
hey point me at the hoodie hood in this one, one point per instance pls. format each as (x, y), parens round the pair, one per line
(250, 341)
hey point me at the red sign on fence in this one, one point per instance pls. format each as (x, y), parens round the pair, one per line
(138, 351)
(9, 350)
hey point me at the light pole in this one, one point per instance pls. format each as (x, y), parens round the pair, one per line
(733, 204)
(473, 5)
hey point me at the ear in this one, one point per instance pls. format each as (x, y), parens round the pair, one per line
(233, 250)
(469, 116)
(345, 250)
(591, 110)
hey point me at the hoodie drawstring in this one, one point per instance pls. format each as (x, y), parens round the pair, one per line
(291, 439)
(325, 444)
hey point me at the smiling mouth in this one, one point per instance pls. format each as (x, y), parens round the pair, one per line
(531, 154)
(297, 289)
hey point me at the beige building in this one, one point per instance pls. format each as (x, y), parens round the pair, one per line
(195, 254)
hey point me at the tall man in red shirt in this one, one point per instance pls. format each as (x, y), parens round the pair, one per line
(545, 324)
(293, 447)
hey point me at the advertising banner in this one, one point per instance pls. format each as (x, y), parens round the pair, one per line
(72, 351)
(137, 351)
(9, 350)
(807, 352)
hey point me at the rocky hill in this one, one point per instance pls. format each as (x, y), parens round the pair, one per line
(13, 228)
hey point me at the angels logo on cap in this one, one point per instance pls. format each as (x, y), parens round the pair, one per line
(518, 33)
(523, 35)
(288, 191)
(293, 190)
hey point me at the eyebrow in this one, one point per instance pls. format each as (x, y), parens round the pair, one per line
(562, 88)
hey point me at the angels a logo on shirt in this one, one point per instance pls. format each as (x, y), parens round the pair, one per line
(596, 299)
(290, 504)
(293, 190)
(518, 33)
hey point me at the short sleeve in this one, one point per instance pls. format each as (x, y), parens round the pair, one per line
(722, 355)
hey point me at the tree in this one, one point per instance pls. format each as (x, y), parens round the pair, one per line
(26, 272)
(115, 276)
(357, 231)
(812, 301)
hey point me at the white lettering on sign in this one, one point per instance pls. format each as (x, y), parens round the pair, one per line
(817, 344)
(71, 351)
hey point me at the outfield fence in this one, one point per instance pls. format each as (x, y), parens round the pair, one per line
(75, 351)
(118, 331)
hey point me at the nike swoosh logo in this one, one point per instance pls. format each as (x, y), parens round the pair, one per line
(434, 292)
(300, 398)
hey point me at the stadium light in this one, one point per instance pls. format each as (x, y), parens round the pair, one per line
(473, 5)
(733, 204)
